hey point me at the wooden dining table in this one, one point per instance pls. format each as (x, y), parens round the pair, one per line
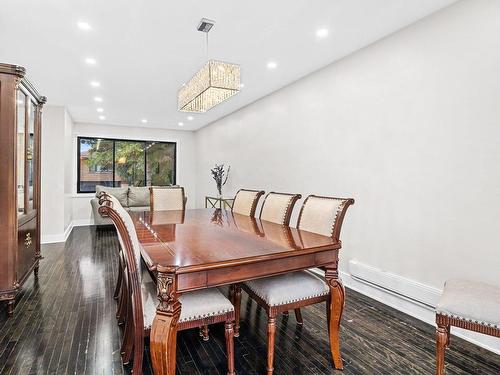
(205, 248)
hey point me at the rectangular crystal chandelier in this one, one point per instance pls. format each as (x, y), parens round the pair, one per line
(211, 85)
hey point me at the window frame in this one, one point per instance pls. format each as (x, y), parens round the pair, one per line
(114, 140)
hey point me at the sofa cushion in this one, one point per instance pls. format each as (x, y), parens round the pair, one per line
(120, 193)
(138, 196)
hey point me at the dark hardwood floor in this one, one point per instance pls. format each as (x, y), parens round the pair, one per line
(64, 323)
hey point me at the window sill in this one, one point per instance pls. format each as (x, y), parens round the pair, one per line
(83, 195)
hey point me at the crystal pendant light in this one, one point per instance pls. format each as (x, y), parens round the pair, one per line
(215, 82)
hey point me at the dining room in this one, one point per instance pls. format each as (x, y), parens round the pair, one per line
(228, 187)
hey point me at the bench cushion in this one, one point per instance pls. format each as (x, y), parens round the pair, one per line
(471, 300)
(288, 288)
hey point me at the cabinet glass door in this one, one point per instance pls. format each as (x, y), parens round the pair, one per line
(30, 154)
(21, 147)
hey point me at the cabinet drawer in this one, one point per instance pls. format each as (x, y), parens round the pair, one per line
(26, 247)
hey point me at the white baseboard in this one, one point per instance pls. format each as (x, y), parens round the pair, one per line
(408, 296)
(62, 237)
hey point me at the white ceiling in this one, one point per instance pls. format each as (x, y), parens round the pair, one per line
(145, 50)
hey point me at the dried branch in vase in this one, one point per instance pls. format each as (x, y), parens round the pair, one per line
(220, 175)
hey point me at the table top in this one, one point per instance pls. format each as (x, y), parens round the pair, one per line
(202, 239)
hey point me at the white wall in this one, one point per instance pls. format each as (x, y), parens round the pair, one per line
(55, 175)
(409, 127)
(186, 168)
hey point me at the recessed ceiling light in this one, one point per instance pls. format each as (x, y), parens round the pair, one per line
(322, 33)
(100, 110)
(144, 120)
(242, 85)
(98, 99)
(102, 117)
(95, 84)
(90, 61)
(190, 118)
(84, 26)
(180, 124)
(272, 65)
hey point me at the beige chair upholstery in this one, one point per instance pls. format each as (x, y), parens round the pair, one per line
(196, 305)
(246, 201)
(323, 215)
(472, 301)
(288, 288)
(164, 199)
(278, 207)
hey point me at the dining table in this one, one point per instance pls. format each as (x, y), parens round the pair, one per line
(195, 249)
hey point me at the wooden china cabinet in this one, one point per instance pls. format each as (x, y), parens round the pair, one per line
(20, 123)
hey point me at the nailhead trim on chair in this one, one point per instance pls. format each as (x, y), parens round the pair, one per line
(202, 316)
(467, 320)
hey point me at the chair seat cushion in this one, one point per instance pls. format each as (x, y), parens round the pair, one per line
(195, 305)
(472, 301)
(289, 288)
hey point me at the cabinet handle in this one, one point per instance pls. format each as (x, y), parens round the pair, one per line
(27, 240)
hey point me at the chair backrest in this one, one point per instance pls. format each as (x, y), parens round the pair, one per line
(245, 201)
(111, 207)
(278, 207)
(323, 215)
(167, 198)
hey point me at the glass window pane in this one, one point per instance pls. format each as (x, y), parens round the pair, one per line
(21, 129)
(129, 163)
(160, 164)
(31, 152)
(96, 163)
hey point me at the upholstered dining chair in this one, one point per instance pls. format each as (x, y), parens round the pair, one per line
(167, 198)
(276, 294)
(277, 208)
(198, 307)
(245, 201)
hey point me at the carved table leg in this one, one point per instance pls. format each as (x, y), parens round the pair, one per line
(163, 338)
(237, 309)
(337, 299)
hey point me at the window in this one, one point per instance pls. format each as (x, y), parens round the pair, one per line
(120, 163)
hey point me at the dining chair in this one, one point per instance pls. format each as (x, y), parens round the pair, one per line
(277, 208)
(118, 294)
(276, 294)
(245, 201)
(199, 308)
(167, 198)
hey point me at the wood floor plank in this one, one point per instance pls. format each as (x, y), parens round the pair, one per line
(65, 324)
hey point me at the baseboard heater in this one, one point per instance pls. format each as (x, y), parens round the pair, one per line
(400, 286)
